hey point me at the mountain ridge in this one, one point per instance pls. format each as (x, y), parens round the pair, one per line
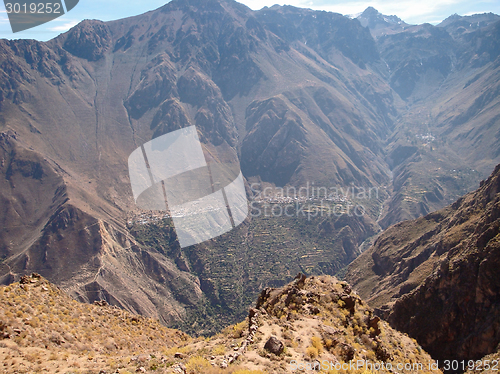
(325, 320)
(283, 87)
(443, 265)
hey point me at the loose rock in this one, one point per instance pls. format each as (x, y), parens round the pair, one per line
(274, 345)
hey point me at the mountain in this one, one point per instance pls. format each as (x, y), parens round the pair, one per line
(305, 99)
(443, 265)
(457, 24)
(380, 24)
(74, 108)
(448, 78)
(324, 321)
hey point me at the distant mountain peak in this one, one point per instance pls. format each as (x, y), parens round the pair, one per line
(479, 20)
(375, 20)
(210, 5)
(371, 12)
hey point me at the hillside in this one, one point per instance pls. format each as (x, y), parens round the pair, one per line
(44, 330)
(448, 76)
(266, 251)
(443, 265)
(302, 98)
(74, 108)
(311, 319)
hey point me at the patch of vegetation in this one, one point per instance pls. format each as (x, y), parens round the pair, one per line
(263, 251)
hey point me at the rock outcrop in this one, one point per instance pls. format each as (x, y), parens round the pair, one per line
(37, 318)
(438, 279)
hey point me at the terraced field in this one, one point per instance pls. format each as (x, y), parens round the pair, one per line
(263, 251)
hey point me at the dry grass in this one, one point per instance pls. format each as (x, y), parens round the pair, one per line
(49, 332)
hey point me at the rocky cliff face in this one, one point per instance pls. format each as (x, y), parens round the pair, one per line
(443, 265)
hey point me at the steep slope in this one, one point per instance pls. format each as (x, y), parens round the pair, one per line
(43, 330)
(51, 225)
(325, 320)
(380, 24)
(445, 140)
(80, 104)
(443, 265)
(445, 144)
(301, 97)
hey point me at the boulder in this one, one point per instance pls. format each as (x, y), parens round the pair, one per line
(274, 345)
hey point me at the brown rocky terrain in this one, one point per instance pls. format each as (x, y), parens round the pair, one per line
(448, 76)
(306, 322)
(43, 219)
(301, 96)
(437, 277)
(74, 108)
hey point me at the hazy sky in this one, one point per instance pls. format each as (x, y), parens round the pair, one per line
(411, 11)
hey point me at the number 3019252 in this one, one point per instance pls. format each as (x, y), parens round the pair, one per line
(471, 365)
(33, 8)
